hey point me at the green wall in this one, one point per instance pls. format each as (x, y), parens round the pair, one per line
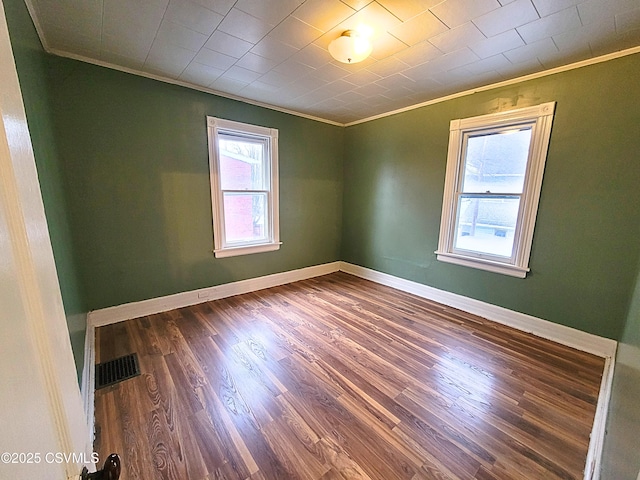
(136, 174)
(585, 248)
(33, 66)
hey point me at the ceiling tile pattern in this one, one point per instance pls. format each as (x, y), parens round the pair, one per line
(274, 52)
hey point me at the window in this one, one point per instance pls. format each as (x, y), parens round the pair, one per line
(492, 187)
(243, 163)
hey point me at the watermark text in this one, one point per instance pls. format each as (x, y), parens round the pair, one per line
(49, 457)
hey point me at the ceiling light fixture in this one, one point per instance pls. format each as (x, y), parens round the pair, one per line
(350, 47)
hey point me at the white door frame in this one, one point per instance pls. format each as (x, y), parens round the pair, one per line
(42, 412)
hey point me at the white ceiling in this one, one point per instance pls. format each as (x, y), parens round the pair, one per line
(274, 52)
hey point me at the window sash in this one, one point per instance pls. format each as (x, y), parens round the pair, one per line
(266, 235)
(240, 137)
(486, 255)
(226, 242)
(503, 130)
(462, 192)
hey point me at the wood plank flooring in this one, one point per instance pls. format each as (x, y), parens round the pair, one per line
(340, 378)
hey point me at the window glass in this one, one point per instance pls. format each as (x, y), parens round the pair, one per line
(496, 162)
(486, 225)
(241, 163)
(244, 217)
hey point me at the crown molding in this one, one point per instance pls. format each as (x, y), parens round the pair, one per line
(572, 66)
(504, 83)
(180, 83)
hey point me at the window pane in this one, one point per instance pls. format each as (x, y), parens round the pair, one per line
(244, 217)
(241, 163)
(486, 225)
(496, 162)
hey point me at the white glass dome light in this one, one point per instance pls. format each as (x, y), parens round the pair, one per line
(350, 47)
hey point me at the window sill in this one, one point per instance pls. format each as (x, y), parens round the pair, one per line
(482, 264)
(246, 249)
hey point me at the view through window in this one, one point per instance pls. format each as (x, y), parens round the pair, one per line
(491, 189)
(244, 188)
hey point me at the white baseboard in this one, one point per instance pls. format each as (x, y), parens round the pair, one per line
(119, 313)
(587, 342)
(594, 454)
(107, 316)
(571, 337)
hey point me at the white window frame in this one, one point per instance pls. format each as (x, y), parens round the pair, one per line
(222, 248)
(540, 118)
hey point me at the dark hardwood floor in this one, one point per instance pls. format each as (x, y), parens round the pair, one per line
(340, 378)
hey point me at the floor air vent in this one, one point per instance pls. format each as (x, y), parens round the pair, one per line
(117, 370)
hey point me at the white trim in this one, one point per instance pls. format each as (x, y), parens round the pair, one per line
(593, 464)
(36, 23)
(246, 249)
(88, 379)
(491, 86)
(571, 337)
(172, 81)
(538, 119)
(568, 336)
(107, 316)
(234, 126)
(487, 265)
(506, 117)
(268, 138)
(44, 411)
(532, 76)
(586, 342)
